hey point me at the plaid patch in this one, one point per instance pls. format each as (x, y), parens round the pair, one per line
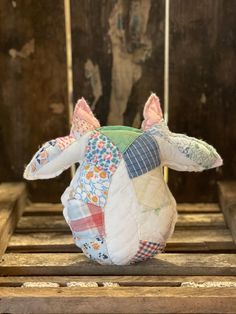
(85, 220)
(147, 250)
(142, 155)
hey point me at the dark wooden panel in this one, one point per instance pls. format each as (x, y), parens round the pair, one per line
(202, 88)
(33, 92)
(112, 38)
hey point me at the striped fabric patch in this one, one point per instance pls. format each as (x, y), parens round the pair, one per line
(85, 220)
(147, 250)
(142, 156)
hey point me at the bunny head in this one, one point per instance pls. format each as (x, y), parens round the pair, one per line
(118, 206)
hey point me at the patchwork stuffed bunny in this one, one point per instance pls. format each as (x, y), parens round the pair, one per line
(118, 206)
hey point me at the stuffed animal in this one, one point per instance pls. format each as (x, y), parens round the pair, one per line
(118, 206)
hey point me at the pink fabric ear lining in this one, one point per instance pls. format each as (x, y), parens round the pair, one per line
(83, 119)
(152, 112)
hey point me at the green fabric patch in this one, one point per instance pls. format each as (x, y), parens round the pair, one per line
(121, 136)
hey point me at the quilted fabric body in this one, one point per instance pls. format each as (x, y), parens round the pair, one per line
(118, 206)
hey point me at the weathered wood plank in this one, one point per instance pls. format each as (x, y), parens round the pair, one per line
(167, 281)
(42, 242)
(182, 240)
(212, 220)
(198, 208)
(202, 88)
(33, 90)
(115, 300)
(77, 264)
(201, 240)
(36, 209)
(57, 222)
(227, 194)
(12, 203)
(54, 223)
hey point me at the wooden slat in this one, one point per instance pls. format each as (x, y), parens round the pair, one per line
(12, 202)
(227, 194)
(36, 209)
(56, 209)
(214, 220)
(57, 223)
(77, 264)
(116, 300)
(42, 242)
(167, 281)
(182, 240)
(200, 240)
(42, 223)
(198, 208)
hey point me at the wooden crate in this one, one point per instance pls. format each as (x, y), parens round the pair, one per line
(42, 271)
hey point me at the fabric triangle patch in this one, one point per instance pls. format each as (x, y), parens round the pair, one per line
(121, 136)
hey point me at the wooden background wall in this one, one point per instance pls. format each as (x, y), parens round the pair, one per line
(33, 90)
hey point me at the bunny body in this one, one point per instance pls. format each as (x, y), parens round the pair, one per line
(118, 206)
(133, 202)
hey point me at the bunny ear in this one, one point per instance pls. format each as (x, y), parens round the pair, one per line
(55, 156)
(83, 119)
(152, 112)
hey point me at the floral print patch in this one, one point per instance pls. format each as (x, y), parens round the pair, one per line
(93, 185)
(95, 249)
(102, 152)
(101, 161)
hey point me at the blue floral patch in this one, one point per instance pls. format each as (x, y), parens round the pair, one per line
(95, 249)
